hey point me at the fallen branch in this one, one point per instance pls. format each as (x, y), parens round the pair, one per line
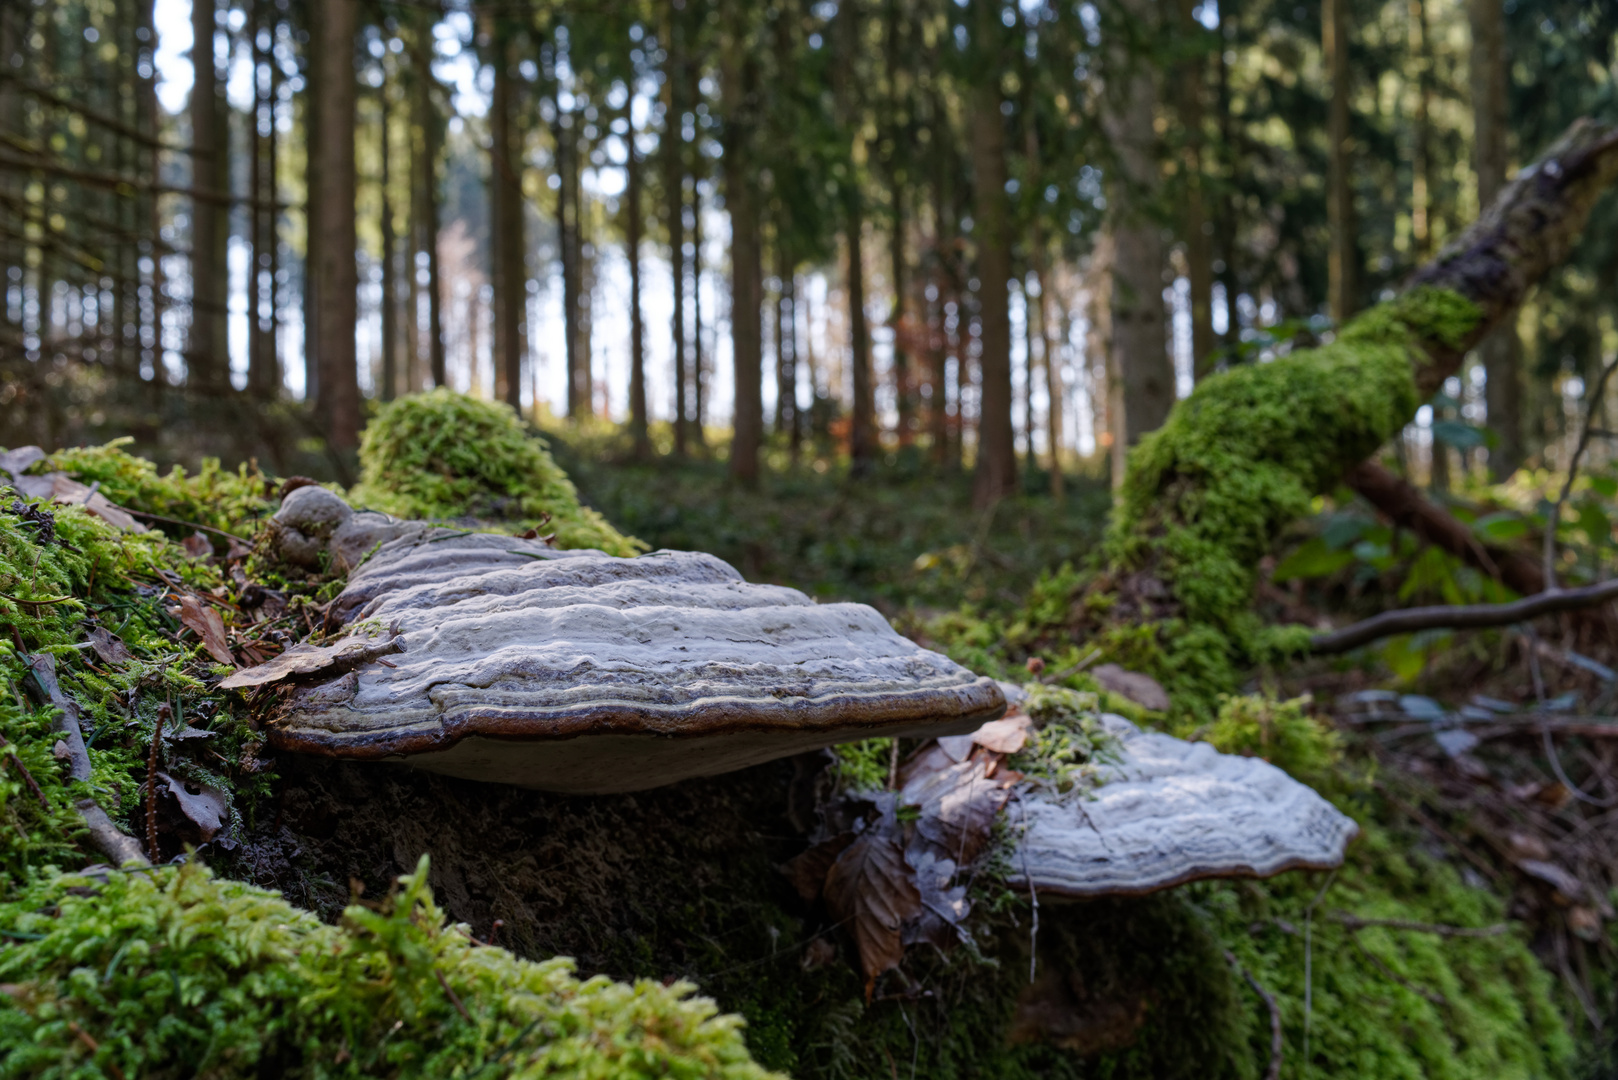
(1274, 1071)
(28, 777)
(188, 525)
(1462, 617)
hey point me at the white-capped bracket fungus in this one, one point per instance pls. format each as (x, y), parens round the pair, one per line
(497, 658)
(1168, 812)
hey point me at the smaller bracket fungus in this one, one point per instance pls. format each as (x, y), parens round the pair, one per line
(507, 661)
(1169, 812)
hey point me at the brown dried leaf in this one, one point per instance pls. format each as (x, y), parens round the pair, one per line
(1143, 690)
(206, 808)
(958, 806)
(943, 909)
(108, 646)
(197, 546)
(1006, 735)
(927, 759)
(807, 871)
(304, 659)
(205, 621)
(873, 891)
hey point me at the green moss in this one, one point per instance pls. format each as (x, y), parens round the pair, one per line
(1281, 732)
(236, 501)
(447, 455)
(1466, 1008)
(174, 972)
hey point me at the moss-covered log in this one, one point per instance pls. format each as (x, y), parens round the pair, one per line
(1207, 495)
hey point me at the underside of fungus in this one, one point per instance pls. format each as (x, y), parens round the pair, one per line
(500, 659)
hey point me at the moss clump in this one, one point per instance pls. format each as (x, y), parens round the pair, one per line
(173, 972)
(1281, 732)
(236, 501)
(447, 455)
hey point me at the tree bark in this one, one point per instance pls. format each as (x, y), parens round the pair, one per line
(208, 350)
(264, 368)
(1502, 350)
(506, 226)
(1141, 373)
(633, 230)
(996, 475)
(578, 396)
(333, 219)
(425, 216)
(863, 441)
(1342, 259)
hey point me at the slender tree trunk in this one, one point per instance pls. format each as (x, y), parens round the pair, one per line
(390, 269)
(699, 365)
(568, 249)
(506, 227)
(208, 359)
(863, 441)
(1502, 350)
(903, 392)
(1421, 200)
(1198, 230)
(338, 276)
(264, 369)
(633, 229)
(425, 223)
(796, 433)
(783, 407)
(1140, 378)
(1224, 159)
(674, 210)
(997, 450)
(1055, 388)
(1342, 260)
(944, 220)
(313, 256)
(747, 275)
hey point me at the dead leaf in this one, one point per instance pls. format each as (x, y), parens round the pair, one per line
(927, 759)
(943, 908)
(205, 621)
(957, 747)
(819, 953)
(304, 659)
(1568, 887)
(1143, 690)
(16, 462)
(206, 807)
(958, 806)
(807, 871)
(237, 550)
(872, 890)
(1006, 735)
(108, 646)
(1585, 923)
(69, 492)
(197, 545)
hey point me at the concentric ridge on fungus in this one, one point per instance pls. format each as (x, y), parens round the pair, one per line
(581, 672)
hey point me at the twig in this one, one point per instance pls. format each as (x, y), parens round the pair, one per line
(1561, 774)
(151, 781)
(1274, 1071)
(1072, 669)
(27, 777)
(1555, 513)
(1308, 963)
(46, 600)
(1462, 616)
(1354, 922)
(187, 525)
(1431, 995)
(455, 1000)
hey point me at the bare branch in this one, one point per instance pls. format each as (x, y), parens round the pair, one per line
(1462, 617)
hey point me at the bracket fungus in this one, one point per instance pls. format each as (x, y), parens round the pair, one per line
(1168, 812)
(498, 658)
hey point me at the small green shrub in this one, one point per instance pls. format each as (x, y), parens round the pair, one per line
(174, 972)
(447, 455)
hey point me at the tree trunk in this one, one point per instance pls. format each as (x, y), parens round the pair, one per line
(208, 351)
(996, 473)
(1198, 230)
(506, 240)
(1140, 377)
(425, 222)
(746, 254)
(333, 218)
(699, 366)
(1342, 260)
(633, 228)
(674, 209)
(902, 391)
(390, 269)
(1502, 350)
(313, 256)
(863, 441)
(568, 249)
(264, 368)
